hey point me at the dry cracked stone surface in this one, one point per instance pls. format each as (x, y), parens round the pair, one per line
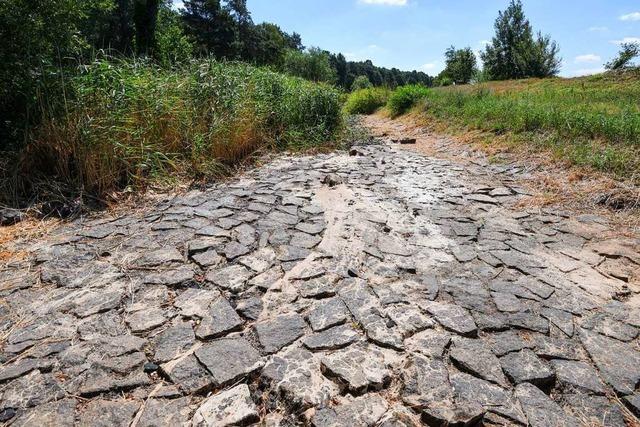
(381, 288)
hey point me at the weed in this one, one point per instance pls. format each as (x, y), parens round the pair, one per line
(366, 101)
(405, 97)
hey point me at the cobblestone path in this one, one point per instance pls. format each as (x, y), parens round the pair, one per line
(381, 288)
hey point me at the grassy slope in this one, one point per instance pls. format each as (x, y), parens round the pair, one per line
(592, 121)
(127, 124)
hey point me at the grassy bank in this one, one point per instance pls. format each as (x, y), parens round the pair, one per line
(592, 121)
(126, 124)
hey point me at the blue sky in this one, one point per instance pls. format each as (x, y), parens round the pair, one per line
(413, 34)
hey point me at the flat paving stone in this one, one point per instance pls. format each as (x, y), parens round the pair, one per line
(541, 411)
(525, 366)
(380, 287)
(227, 408)
(473, 356)
(275, 334)
(453, 318)
(327, 313)
(229, 359)
(359, 369)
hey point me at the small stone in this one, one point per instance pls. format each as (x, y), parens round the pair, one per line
(292, 253)
(208, 259)
(189, 375)
(108, 413)
(461, 414)
(227, 408)
(233, 278)
(195, 302)
(327, 314)
(54, 414)
(471, 355)
(529, 321)
(312, 228)
(525, 366)
(275, 334)
(541, 411)
(363, 411)
(173, 342)
(619, 363)
(493, 398)
(304, 240)
(23, 366)
(259, 261)
(146, 320)
(579, 375)
(165, 412)
(508, 342)
(234, 250)
(250, 308)
(555, 348)
(431, 343)
(426, 382)
(359, 368)
(220, 320)
(174, 277)
(150, 367)
(332, 180)
(331, 339)
(453, 318)
(229, 359)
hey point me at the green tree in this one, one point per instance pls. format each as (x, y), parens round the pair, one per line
(361, 82)
(38, 40)
(461, 65)
(211, 26)
(313, 64)
(627, 53)
(172, 44)
(514, 53)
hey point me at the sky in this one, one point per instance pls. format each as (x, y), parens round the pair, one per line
(413, 34)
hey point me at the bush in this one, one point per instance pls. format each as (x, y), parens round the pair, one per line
(129, 123)
(366, 101)
(361, 82)
(405, 97)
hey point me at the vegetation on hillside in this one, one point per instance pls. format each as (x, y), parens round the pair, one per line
(592, 121)
(129, 123)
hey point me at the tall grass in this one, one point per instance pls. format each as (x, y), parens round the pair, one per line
(591, 121)
(128, 123)
(366, 101)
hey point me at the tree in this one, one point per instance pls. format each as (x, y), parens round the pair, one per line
(145, 18)
(461, 65)
(514, 53)
(627, 52)
(172, 44)
(339, 63)
(313, 64)
(361, 82)
(211, 26)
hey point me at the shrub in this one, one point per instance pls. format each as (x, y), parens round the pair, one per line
(129, 123)
(361, 82)
(405, 97)
(366, 101)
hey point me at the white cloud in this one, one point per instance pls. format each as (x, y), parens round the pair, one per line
(627, 40)
(385, 2)
(598, 29)
(588, 58)
(635, 16)
(430, 66)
